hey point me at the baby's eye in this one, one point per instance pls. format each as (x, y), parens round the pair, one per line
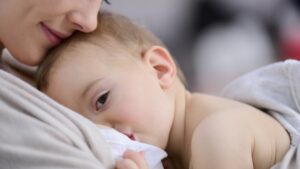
(101, 101)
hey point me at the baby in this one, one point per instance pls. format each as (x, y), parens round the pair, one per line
(123, 77)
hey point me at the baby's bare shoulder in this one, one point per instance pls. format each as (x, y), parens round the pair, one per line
(221, 141)
(232, 138)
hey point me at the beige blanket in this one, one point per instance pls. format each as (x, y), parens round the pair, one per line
(38, 133)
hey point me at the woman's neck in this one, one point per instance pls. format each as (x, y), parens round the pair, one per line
(1, 48)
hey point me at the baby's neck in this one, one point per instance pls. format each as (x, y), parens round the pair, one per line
(176, 144)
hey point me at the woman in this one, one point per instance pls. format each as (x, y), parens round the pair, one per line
(29, 28)
(36, 132)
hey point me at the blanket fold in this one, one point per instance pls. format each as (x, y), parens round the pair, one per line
(36, 132)
(276, 90)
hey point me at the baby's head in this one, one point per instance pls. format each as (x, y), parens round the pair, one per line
(115, 34)
(120, 75)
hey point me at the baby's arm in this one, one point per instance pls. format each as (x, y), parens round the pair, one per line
(132, 160)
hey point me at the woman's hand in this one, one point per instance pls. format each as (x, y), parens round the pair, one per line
(132, 160)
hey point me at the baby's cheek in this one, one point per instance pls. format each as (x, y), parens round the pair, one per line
(127, 116)
(128, 110)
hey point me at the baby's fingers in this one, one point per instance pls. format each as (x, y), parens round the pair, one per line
(137, 157)
(132, 160)
(126, 164)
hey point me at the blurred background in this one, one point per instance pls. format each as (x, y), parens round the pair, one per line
(215, 41)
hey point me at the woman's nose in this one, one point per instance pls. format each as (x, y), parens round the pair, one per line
(85, 19)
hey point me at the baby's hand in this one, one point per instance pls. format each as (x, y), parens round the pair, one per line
(132, 160)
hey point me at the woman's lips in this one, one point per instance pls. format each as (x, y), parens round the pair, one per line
(53, 36)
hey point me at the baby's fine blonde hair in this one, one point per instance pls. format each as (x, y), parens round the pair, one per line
(113, 31)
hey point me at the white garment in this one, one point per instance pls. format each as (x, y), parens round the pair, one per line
(119, 143)
(276, 90)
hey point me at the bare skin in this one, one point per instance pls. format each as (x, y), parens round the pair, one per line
(28, 29)
(229, 131)
(132, 160)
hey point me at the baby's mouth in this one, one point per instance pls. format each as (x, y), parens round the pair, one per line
(130, 136)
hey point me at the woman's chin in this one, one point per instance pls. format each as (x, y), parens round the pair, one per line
(30, 59)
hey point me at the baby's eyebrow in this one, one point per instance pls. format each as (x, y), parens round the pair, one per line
(87, 89)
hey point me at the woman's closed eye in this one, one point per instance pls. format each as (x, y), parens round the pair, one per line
(101, 100)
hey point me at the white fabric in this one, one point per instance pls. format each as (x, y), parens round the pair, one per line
(119, 143)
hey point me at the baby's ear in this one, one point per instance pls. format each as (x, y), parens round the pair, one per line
(161, 61)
